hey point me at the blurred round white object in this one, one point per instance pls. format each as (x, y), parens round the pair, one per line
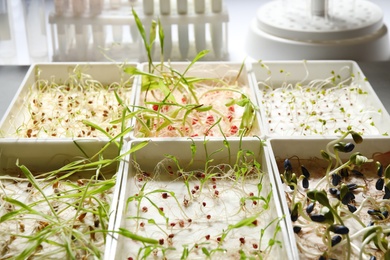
(318, 29)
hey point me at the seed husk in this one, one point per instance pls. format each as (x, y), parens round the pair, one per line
(317, 218)
(336, 240)
(379, 184)
(339, 229)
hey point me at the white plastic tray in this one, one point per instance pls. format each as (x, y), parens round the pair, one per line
(290, 109)
(309, 148)
(225, 71)
(224, 209)
(20, 111)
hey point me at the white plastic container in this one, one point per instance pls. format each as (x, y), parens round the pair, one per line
(188, 225)
(307, 151)
(309, 98)
(235, 82)
(40, 158)
(63, 95)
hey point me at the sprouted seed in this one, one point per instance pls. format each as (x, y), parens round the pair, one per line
(60, 109)
(174, 104)
(330, 218)
(319, 107)
(75, 218)
(196, 221)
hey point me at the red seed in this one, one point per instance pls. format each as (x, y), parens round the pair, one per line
(233, 129)
(251, 194)
(255, 246)
(172, 224)
(171, 235)
(207, 237)
(231, 109)
(142, 224)
(204, 204)
(144, 209)
(196, 187)
(161, 209)
(181, 223)
(214, 186)
(161, 241)
(242, 240)
(189, 220)
(216, 193)
(219, 239)
(210, 119)
(165, 195)
(155, 107)
(208, 216)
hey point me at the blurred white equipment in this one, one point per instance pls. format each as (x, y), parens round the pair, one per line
(106, 29)
(318, 29)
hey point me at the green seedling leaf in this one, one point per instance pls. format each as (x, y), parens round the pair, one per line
(387, 254)
(202, 108)
(321, 197)
(133, 236)
(325, 156)
(206, 252)
(358, 159)
(243, 223)
(185, 253)
(387, 172)
(200, 55)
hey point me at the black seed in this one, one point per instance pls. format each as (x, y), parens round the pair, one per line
(294, 214)
(385, 213)
(336, 179)
(380, 171)
(336, 240)
(347, 198)
(317, 218)
(310, 208)
(344, 172)
(305, 183)
(372, 257)
(333, 191)
(339, 229)
(322, 258)
(370, 224)
(287, 165)
(305, 172)
(379, 184)
(387, 193)
(357, 173)
(297, 229)
(373, 212)
(352, 186)
(351, 208)
(348, 147)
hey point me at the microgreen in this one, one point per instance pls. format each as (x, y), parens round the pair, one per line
(340, 203)
(178, 198)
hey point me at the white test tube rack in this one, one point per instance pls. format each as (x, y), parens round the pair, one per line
(101, 30)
